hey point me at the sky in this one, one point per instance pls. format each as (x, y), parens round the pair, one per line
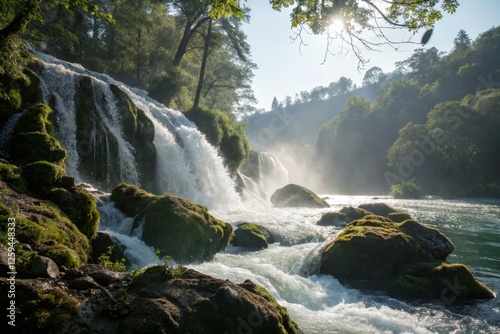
(286, 68)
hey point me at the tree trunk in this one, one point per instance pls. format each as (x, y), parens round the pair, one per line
(19, 22)
(203, 65)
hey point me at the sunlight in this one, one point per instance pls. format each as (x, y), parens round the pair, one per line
(336, 27)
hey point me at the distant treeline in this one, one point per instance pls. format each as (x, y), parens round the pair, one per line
(433, 121)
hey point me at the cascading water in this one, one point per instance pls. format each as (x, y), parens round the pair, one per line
(189, 167)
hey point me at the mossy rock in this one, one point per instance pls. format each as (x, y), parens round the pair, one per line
(212, 306)
(36, 119)
(102, 243)
(352, 213)
(378, 218)
(252, 236)
(223, 132)
(399, 217)
(293, 195)
(139, 131)
(379, 209)
(178, 227)
(30, 147)
(370, 250)
(184, 230)
(408, 286)
(130, 199)
(332, 218)
(42, 174)
(461, 279)
(79, 205)
(46, 310)
(445, 282)
(429, 238)
(12, 175)
(61, 254)
(43, 226)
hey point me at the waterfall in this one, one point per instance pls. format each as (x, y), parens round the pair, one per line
(186, 164)
(273, 174)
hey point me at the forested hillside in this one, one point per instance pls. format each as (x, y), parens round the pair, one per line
(437, 126)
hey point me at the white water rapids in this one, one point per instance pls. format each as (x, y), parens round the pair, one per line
(188, 166)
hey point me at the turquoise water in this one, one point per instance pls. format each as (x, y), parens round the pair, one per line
(320, 304)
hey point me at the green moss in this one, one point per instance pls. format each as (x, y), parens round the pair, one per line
(12, 175)
(42, 174)
(184, 230)
(379, 209)
(35, 119)
(459, 282)
(223, 132)
(79, 205)
(289, 326)
(251, 235)
(370, 249)
(293, 195)
(50, 312)
(411, 287)
(62, 255)
(43, 226)
(28, 231)
(178, 227)
(36, 146)
(130, 199)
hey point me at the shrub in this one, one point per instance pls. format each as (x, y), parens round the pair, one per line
(406, 190)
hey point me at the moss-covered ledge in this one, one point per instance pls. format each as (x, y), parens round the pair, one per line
(177, 227)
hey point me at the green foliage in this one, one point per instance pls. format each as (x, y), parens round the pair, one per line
(223, 132)
(407, 190)
(105, 261)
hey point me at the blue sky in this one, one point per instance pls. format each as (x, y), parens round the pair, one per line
(286, 70)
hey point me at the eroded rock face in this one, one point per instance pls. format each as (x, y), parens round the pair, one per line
(293, 195)
(41, 266)
(430, 238)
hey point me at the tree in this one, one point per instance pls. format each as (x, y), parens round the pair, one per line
(372, 76)
(462, 41)
(274, 104)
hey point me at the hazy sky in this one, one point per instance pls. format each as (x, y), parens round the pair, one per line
(284, 70)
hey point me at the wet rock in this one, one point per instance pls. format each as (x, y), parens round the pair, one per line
(293, 195)
(332, 219)
(83, 283)
(252, 236)
(380, 209)
(399, 217)
(41, 266)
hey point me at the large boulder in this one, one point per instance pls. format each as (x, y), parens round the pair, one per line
(370, 250)
(186, 301)
(159, 299)
(439, 281)
(252, 236)
(293, 195)
(404, 259)
(379, 209)
(48, 231)
(175, 226)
